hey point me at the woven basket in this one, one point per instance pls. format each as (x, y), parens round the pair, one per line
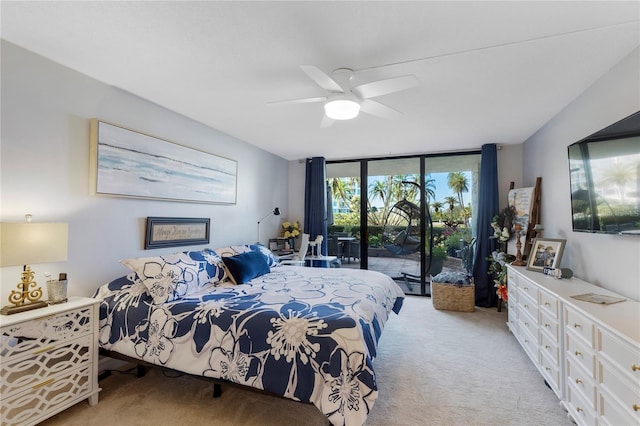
(453, 297)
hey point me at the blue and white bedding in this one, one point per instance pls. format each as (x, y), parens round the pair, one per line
(308, 334)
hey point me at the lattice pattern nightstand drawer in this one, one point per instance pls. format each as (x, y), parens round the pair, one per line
(46, 396)
(20, 372)
(33, 335)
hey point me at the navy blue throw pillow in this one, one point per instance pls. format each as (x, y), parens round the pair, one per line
(246, 266)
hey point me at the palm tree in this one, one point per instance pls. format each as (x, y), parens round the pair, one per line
(458, 182)
(437, 205)
(340, 190)
(452, 203)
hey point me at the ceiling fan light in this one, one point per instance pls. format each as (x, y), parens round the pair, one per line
(342, 109)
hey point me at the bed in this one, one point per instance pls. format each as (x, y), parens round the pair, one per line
(307, 334)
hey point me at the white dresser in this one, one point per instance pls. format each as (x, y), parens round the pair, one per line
(49, 360)
(589, 354)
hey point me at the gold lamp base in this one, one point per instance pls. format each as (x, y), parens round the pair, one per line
(24, 299)
(9, 310)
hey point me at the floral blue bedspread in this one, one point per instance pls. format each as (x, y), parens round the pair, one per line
(308, 334)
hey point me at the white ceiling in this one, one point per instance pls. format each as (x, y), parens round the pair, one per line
(489, 72)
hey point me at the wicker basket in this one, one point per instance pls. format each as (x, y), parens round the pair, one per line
(453, 297)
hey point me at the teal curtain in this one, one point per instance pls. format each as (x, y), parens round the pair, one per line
(488, 205)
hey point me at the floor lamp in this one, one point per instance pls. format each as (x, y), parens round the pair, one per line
(275, 212)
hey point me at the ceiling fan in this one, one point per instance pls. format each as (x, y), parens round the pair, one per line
(344, 101)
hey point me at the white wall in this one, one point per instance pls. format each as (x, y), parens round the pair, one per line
(45, 171)
(609, 261)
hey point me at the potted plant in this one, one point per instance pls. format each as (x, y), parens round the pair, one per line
(438, 256)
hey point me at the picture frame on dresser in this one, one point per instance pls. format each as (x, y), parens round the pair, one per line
(545, 253)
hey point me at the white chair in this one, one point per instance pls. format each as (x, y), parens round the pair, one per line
(297, 259)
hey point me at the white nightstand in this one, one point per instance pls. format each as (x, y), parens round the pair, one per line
(49, 359)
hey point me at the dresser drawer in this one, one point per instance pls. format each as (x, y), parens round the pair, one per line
(30, 336)
(613, 414)
(620, 388)
(550, 325)
(49, 396)
(582, 382)
(529, 289)
(624, 355)
(530, 306)
(525, 322)
(512, 293)
(580, 325)
(578, 408)
(551, 372)
(29, 370)
(550, 347)
(530, 344)
(550, 304)
(579, 352)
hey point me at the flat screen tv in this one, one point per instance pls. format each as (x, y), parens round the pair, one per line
(605, 179)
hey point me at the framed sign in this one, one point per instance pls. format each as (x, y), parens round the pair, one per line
(545, 253)
(126, 163)
(176, 231)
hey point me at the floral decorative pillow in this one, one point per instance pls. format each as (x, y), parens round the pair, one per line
(174, 276)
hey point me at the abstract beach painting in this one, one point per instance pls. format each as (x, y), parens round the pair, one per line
(132, 164)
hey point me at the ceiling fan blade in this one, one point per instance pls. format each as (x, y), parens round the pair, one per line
(298, 101)
(383, 87)
(321, 79)
(379, 110)
(326, 121)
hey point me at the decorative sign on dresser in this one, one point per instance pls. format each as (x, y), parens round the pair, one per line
(588, 353)
(49, 359)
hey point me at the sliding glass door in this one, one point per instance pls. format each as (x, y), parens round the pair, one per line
(408, 217)
(395, 221)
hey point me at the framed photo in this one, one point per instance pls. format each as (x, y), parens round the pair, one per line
(126, 163)
(545, 253)
(176, 231)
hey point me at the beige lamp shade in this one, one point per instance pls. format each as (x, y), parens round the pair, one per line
(32, 243)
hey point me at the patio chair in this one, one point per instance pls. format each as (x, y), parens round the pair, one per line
(297, 259)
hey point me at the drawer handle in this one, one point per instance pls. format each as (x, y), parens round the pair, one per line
(547, 347)
(547, 325)
(579, 410)
(527, 324)
(578, 381)
(635, 367)
(636, 407)
(526, 288)
(576, 325)
(45, 383)
(47, 349)
(526, 306)
(578, 353)
(547, 368)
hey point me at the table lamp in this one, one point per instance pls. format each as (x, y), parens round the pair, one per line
(25, 244)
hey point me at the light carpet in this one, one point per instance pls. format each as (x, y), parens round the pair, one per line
(433, 368)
